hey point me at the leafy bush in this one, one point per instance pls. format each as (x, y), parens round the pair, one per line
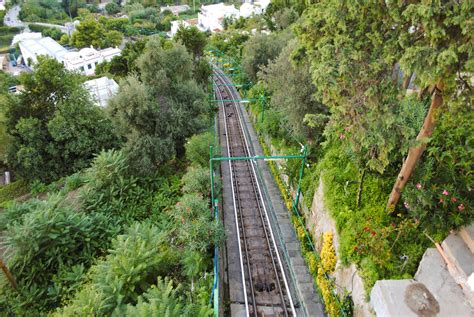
(13, 190)
(196, 230)
(197, 180)
(439, 194)
(164, 299)
(135, 260)
(58, 239)
(112, 190)
(197, 148)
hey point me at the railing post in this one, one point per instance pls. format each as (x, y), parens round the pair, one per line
(298, 191)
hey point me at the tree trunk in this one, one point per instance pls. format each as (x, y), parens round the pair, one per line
(415, 152)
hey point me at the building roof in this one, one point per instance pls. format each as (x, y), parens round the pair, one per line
(102, 89)
(43, 46)
(176, 9)
(89, 54)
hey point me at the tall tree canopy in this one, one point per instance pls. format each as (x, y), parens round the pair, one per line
(260, 49)
(160, 109)
(55, 126)
(292, 93)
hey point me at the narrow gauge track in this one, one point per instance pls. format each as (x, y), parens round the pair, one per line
(265, 287)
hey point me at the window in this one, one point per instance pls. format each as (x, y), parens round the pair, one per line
(82, 68)
(89, 66)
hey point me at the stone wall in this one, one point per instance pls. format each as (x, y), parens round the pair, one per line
(320, 221)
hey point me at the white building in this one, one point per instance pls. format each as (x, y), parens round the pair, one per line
(25, 36)
(101, 90)
(175, 25)
(211, 17)
(257, 7)
(31, 48)
(86, 59)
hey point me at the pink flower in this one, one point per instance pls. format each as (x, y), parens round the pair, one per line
(441, 200)
(342, 136)
(406, 205)
(461, 207)
(418, 186)
(453, 199)
(445, 192)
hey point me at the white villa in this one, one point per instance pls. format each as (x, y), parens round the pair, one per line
(32, 47)
(211, 17)
(257, 7)
(84, 60)
(175, 25)
(101, 90)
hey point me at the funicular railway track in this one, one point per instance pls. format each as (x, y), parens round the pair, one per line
(265, 287)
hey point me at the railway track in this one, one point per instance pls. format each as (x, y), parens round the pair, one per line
(265, 286)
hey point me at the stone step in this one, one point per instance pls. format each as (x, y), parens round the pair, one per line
(434, 274)
(467, 234)
(459, 254)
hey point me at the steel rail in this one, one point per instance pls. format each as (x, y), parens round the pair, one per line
(258, 200)
(236, 215)
(272, 246)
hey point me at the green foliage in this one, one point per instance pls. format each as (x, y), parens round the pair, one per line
(55, 134)
(291, 91)
(163, 299)
(54, 33)
(112, 8)
(121, 66)
(193, 39)
(260, 49)
(158, 112)
(12, 191)
(59, 238)
(89, 32)
(197, 230)
(230, 43)
(43, 11)
(369, 236)
(197, 180)
(439, 192)
(136, 259)
(197, 148)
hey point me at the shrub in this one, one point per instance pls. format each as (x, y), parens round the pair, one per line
(196, 230)
(197, 180)
(13, 190)
(197, 148)
(163, 299)
(58, 239)
(135, 260)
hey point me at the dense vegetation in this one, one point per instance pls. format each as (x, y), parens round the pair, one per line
(116, 202)
(118, 218)
(337, 79)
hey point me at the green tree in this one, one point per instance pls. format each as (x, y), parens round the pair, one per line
(292, 94)
(193, 39)
(89, 32)
(54, 124)
(112, 39)
(158, 112)
(352, 48)
(112, 8)
(260, 49)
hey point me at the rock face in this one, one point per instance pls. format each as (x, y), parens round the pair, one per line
(443, 283)
(320, 221)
